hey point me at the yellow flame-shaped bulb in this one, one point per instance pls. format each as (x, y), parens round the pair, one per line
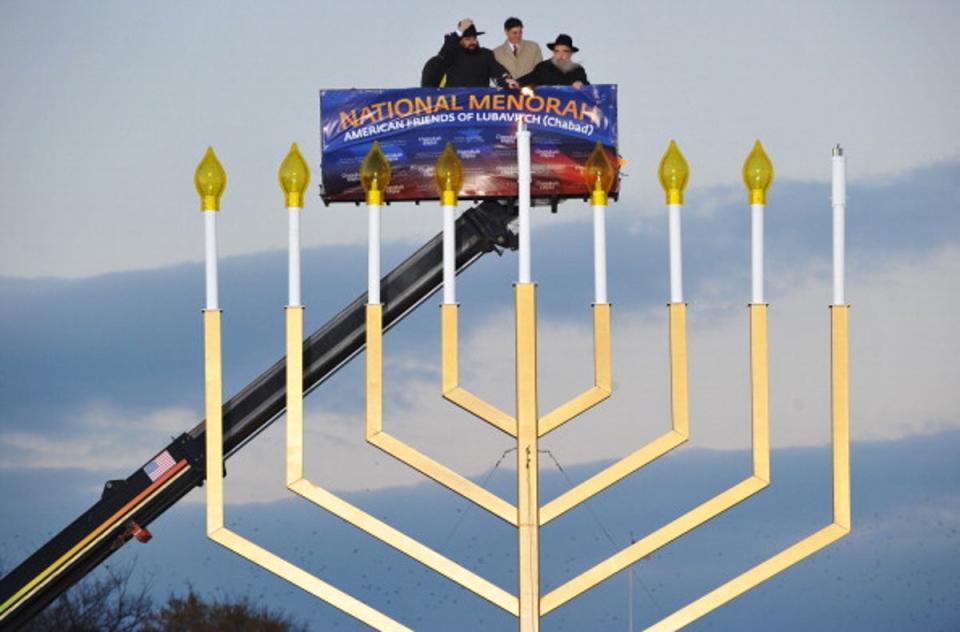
(210, 180)
(294, 176)
(758, 174)
(448, 174)
(598, 175)
(375, 174)
(674, 173)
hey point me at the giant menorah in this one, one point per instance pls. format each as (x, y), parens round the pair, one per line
(526, 425)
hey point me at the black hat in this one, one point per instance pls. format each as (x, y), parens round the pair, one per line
(471, 31)
(563, 40)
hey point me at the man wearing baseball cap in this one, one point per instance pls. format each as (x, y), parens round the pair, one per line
(467, 64)
(559, 70)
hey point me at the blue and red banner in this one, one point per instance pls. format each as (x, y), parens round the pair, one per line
(414, 125)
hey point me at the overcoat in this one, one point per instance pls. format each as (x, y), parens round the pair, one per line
(470, 69)
(528, 55)
(547, 74)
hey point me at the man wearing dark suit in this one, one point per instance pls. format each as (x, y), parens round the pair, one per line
(467, 64)
(517, 55)
(559, 70)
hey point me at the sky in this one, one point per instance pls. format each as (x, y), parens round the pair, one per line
(108, 107)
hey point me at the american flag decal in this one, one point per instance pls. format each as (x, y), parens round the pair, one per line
(159, 465)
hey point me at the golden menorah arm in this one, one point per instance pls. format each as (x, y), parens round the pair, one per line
(610, 475)
(445, 476)
(294, 395)
(744, 582)
(345, 510)
(304, 580)
(450, 375)
(653, 450)
(216, 531)
(760, 391)
(647, 545)
(718, 504)
(602, 377)
(841, 525)
(840, 411)
(402, 451)
(405, 544)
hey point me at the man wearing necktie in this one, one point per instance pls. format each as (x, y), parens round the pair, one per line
(517, 55)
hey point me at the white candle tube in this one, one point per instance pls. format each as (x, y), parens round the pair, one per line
(756, 251)
(373, 255)
(839, 199)
(449, 254)
(293, 258)
(210, 238)
(523, 194)
(600, 254)
(676, 254)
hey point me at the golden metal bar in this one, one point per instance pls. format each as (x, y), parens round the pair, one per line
(840, 419)
(840, 412)
(405, 544)
(744, 582)
(610, 475)
(450, 372)
(759, 390)
(445, 476)
(345, 510)
(647, 545)
(761, 444)
(653, 450)
(601, 371)
(404, 452)
(679, 392)
(294, 394)
(528, 474)
(213, 378)
(374, 336)
(304, 580)
(213, 396)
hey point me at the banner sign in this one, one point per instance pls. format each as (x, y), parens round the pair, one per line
(414, 125)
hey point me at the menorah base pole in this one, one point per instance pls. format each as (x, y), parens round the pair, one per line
(528, 498)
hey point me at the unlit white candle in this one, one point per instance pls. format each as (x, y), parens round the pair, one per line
(293, 258)
(839, 199)
(210, 255)
(676, 255)
(373, 255)
(756, 251)
(523, 194)
(449, 255)
(600, 254)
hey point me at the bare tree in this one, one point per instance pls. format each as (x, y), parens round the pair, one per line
(192, 614)
(105, 603)
(110, 601)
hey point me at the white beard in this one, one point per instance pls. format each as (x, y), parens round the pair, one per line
(565, 66)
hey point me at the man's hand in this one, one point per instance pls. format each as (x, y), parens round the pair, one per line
(512, 84)
(577, 84)
(463, 25)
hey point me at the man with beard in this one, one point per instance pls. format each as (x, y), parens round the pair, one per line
(467, 64)
(559, 70)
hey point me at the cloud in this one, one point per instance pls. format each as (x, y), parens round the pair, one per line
(124, 78)
(896, 391)
(896, 569)
(101, 438)
(70, 358)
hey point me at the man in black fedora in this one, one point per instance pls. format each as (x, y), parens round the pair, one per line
(559, 70)
(467, 64)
